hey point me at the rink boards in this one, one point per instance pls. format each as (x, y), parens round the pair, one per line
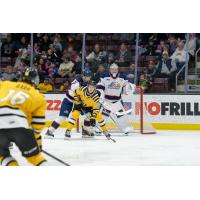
(165, 112)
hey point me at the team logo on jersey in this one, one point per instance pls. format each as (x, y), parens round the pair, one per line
(114, 85)
(66, 111)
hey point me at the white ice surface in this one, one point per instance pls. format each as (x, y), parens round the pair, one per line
(163, 148)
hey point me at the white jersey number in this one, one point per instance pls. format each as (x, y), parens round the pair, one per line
(15, 97)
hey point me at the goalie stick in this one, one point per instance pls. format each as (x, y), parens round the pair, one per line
(126, 112)
(105, 106)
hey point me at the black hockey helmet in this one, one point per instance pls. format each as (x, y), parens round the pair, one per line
(30, 75)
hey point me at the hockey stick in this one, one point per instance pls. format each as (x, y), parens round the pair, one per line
(124, 112)
(55, 158)
(98, 127)
(119, 114)
(105, 135)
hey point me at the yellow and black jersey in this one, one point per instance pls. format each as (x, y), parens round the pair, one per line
(81, 96)
(21, 105)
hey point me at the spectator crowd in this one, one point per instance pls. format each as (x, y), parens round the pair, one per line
(58, 57)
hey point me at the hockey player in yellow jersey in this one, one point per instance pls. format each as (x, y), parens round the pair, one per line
(86, 102)
(22, 118)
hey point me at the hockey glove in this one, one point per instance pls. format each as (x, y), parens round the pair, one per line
(49, 133)
(92, 122)
(77, 107)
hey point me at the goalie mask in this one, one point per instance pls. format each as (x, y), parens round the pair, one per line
(114, 70)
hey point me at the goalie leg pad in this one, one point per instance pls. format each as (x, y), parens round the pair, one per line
(123, 122)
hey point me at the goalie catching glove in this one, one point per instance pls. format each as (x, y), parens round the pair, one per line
(129, 89)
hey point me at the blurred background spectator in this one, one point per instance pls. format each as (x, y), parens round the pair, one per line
(179, 55)
(192, 49)
(45, 86)
(166, 68)
(96, 57)
(144, 82)
(123, 57)
(65, 86)
(7, 47)
(9, 74)
(100, 73)
(130, 74)
(66, 67)
(172, 44)
(58, 56)
(151, 70)
(151, 47)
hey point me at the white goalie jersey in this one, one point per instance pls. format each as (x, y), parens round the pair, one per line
(112, 88)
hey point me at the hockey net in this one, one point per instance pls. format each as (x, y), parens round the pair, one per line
(139, 118)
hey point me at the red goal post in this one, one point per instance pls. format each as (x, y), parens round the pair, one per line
(143, 116)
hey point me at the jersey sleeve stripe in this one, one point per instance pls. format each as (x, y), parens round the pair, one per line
(9, 107)
(37, 131)
(95, 100)
(38, 117)
(38, 120)
(95, 95)
(9, 110)
(39, 138)
(10, 114)
(38, 123)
